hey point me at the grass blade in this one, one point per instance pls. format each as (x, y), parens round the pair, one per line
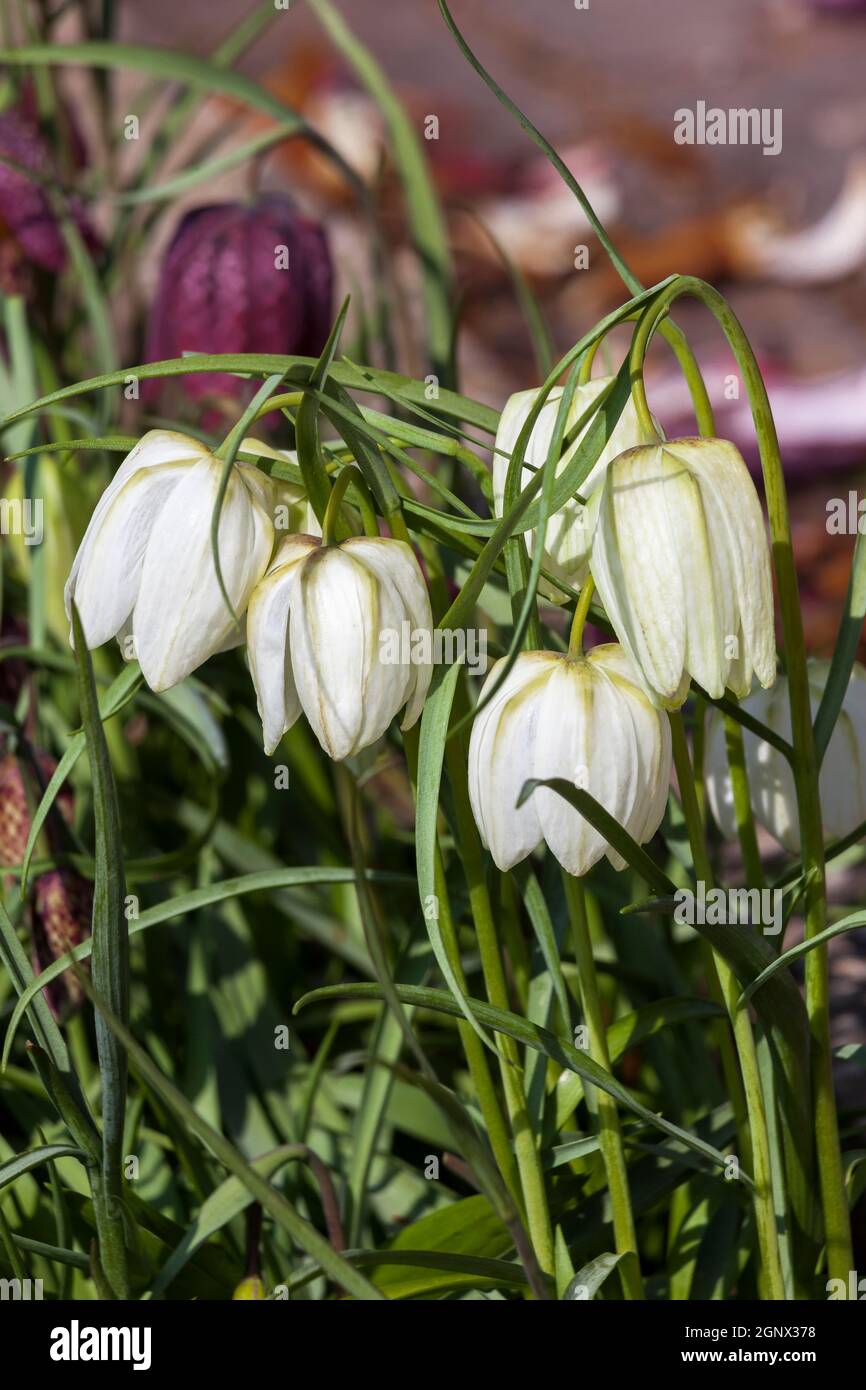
(110, 964)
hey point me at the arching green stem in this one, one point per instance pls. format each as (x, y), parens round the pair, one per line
(765, 1215)
(332, 511)
(575, 641)
(837, 1225)
(610, 1136)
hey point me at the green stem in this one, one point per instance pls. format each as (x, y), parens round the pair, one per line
(575, 641)
(743, 803)
(473, 1048)
(610, 1136)
(754, 871)
(765, 1216)
(332, 511)
(525, 1148)
(476, 1057)
(804, 765)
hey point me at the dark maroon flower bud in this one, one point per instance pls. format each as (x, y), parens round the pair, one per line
(60, 913)
(26, 214)
(236, 277)
(30, 232)
(62, 909)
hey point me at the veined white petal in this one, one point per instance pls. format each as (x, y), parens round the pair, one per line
(334, 627)
(269, 648)
(566, 746)
(180, 617)
(568, 535)
(106, 574)
(652, 743)
(501, 759)
(106, 570)
(681, 563)
(741, 559)
(636, 570)
(395, 565)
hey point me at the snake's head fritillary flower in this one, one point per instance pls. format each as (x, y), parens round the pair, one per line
(59, 915)
(583, 719)
(145, 568)
(842, 782)
(30, 231)
(567, 538)
(241, 277)
(324, 630)
(681, 562)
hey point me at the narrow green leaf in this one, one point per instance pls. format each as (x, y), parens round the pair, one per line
(23, 1163)
(531, 1035)
(110, 964)
(282, 1212)
(312, 465)
(181, 906)
(588, 1280)
(210, 169)
(226, 454)
(119, 693)
(844, 652)
(431, 753)
(850, 923)
(297, 370)
(604, 823)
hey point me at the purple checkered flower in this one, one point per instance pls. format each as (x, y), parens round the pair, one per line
(254, 277)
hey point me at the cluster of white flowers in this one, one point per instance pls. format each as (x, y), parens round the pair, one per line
(311, 614)
(671, 532)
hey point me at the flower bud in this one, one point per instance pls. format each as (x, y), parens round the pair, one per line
(585, 720)
(27, 217)
(320, 627)
(60, 914)
(251, 277)
(680, 560)
(145, 568)
(567, 538)
(842, 782)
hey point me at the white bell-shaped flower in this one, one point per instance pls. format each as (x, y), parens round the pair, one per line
(681, 562)
(145, 567)
(584, 719)
(842, 781)
(567, 538)
(344, 633)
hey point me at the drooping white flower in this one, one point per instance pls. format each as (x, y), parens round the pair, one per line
(681, 563)
(145, 566)
(321, 628)
(586, 720)
(842, 781)
(567, 538)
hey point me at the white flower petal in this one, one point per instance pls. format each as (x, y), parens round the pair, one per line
(501, 759)
(395, 565)
(106, 570)
(568, 535)
(269, 648)
(180, 617)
